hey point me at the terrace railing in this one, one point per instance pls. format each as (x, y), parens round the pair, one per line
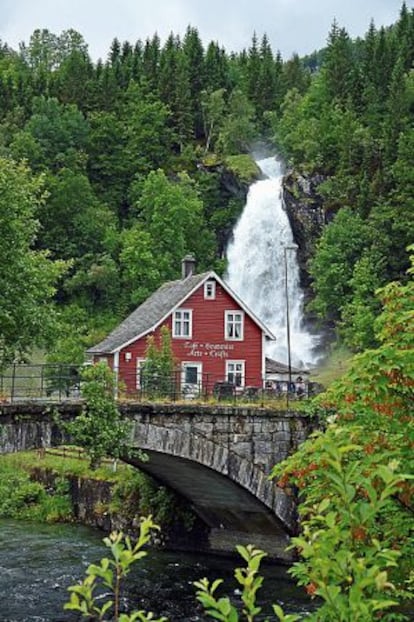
(61, 382)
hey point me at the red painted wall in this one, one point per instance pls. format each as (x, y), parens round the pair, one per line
(208, 344)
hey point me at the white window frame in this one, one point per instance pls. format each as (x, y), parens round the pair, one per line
(210, 290)
(231, 324)
(190, 389)
(199, 366)
(178, 319)
(236, 372)
(138, 365)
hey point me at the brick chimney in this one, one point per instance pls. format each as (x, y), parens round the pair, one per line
(188, 266)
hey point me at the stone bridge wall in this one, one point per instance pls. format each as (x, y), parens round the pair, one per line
(260, 436)
(217, 457)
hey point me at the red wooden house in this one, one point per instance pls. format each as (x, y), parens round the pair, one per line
(215, 337)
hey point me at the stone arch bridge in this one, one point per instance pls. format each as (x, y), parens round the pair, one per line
(217, 457)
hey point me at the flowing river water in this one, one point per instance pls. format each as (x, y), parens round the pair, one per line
(38, 562)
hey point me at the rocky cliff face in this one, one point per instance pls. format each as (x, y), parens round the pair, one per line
(233, 177)
(304, 206)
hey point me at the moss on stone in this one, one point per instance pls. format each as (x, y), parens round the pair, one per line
(243, 166)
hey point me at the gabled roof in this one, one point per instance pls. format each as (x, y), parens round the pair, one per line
(155, 310)
(275, 367)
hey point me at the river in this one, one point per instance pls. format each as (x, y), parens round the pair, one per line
(38, 562)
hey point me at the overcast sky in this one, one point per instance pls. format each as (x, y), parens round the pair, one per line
(291, 25)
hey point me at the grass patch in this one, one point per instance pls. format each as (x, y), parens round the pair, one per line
(63, 461)
(335, 365)
(243, 166)
(23, 498)
(133, 492)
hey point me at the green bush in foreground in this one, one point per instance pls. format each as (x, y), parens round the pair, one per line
(355, 479)
(109, 575)
(22, 498)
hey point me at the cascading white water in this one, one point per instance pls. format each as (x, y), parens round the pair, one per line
(258, 257)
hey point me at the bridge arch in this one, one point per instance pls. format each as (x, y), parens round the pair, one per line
(219, 459)
(232, 494)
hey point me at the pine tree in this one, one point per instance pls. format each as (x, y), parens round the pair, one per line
(174, 88)
(194, 55)
(216, 68)
(151, 65)
(338, 65)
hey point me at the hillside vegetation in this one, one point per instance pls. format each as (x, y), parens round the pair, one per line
(111, 172)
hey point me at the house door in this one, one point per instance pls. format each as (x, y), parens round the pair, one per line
(191, 379)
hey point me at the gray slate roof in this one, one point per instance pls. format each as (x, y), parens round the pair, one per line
(150, 313)
(276, 367)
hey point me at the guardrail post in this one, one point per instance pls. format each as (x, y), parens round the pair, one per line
(42, 378)
(13, 382)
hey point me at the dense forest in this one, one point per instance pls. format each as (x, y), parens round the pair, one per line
(110, 172)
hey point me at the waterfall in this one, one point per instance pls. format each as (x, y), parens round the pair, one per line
(258, 257)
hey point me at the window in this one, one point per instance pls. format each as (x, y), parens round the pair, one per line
(182, 323)
(191, 379)
(234, 325)
(191, 373)
(140, 369)
(209, 290)
(235, 372)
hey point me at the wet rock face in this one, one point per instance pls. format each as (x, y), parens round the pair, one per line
(232, 185)
(304, 206)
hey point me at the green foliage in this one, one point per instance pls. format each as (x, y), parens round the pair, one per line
(102, 133)
(140, 273)
(147, 132)
(213, 106)
(76, 332)
(74, 222)
(55, 133)
(348, 542)
(340, 246)
(338, 65)
(172, 214)
(109, 575)
(27, 277)
(157, 373)
(238, 130)
(248, 578)
(23, 498)
(243, 166)
(99, 428)
(107, 169)
(358, 315)
(355, 479)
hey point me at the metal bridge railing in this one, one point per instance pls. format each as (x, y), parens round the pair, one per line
(61, 382)
(54, 382)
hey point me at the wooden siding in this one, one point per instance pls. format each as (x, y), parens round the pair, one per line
(207, 345)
